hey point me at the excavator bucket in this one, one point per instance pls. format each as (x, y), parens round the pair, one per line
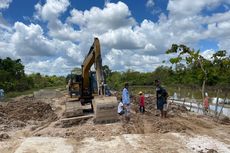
(105, 109)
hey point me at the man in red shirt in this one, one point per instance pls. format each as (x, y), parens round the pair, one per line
(142, 102)
(206, 103)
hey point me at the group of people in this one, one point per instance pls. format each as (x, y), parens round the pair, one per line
(124, 104)
(161, 101)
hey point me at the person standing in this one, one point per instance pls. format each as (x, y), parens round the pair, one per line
(141, 102)
(126, 101)
(1, 94)
(206, 103)
(161, 97)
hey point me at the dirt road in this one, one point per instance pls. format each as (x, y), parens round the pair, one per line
(33, 125)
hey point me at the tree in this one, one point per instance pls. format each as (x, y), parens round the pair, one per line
(190, 56)
(106, 70)
(221, 67)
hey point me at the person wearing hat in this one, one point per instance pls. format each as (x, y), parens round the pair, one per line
(142, 102)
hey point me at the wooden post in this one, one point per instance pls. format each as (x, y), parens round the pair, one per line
(217, 101)
(198, 104)
(222, 106)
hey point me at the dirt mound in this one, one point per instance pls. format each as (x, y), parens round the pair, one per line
(4, 136)
(26, 110)
(18, 113)
(149, 123)
(150, 102)
(225, 120)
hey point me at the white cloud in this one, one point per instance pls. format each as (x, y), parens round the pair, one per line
(183, 8)
(29, 41)
(126, 59)
(58, 66)
(52, 9)
(63, 31)
(149, 47)
(125, 44)
(6, 50)
(4, 4)
(150, 3)
(4, 24)
(224, 45)
(123, 38)
(50, 12)
(208, 53)
(113, 16)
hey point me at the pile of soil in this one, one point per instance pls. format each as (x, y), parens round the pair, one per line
(19, 113)
(150, 123)
(150, 102)
(225, 120)
(150, 106)
(4, 136)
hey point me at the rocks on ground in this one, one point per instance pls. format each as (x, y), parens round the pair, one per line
(4, 136)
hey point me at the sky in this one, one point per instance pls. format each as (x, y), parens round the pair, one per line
(53, 36)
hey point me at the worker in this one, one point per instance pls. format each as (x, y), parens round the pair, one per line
(161, 97)
(69, 86)
(1, 93)
(120, 108)
(141, 102)
(126, 101)
(206, 103)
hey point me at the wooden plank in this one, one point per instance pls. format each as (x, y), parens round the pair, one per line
(77, 118)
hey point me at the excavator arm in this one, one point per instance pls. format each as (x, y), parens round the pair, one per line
(93, 57)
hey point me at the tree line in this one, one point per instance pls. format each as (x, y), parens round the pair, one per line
(13, 77)
(188, 68)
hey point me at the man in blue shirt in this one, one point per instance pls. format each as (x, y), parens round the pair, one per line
(126, 101)
(1, 93)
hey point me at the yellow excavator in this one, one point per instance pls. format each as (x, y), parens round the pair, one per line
(91, 88)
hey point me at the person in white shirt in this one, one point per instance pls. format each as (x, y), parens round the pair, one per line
(120, 108)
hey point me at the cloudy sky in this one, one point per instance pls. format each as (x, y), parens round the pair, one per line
(53, 36)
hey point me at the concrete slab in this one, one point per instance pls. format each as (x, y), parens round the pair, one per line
(44, 145)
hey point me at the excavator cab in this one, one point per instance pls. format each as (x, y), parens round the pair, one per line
(75, 83)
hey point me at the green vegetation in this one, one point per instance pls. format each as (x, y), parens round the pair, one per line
(13, 78)
(188, 70)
